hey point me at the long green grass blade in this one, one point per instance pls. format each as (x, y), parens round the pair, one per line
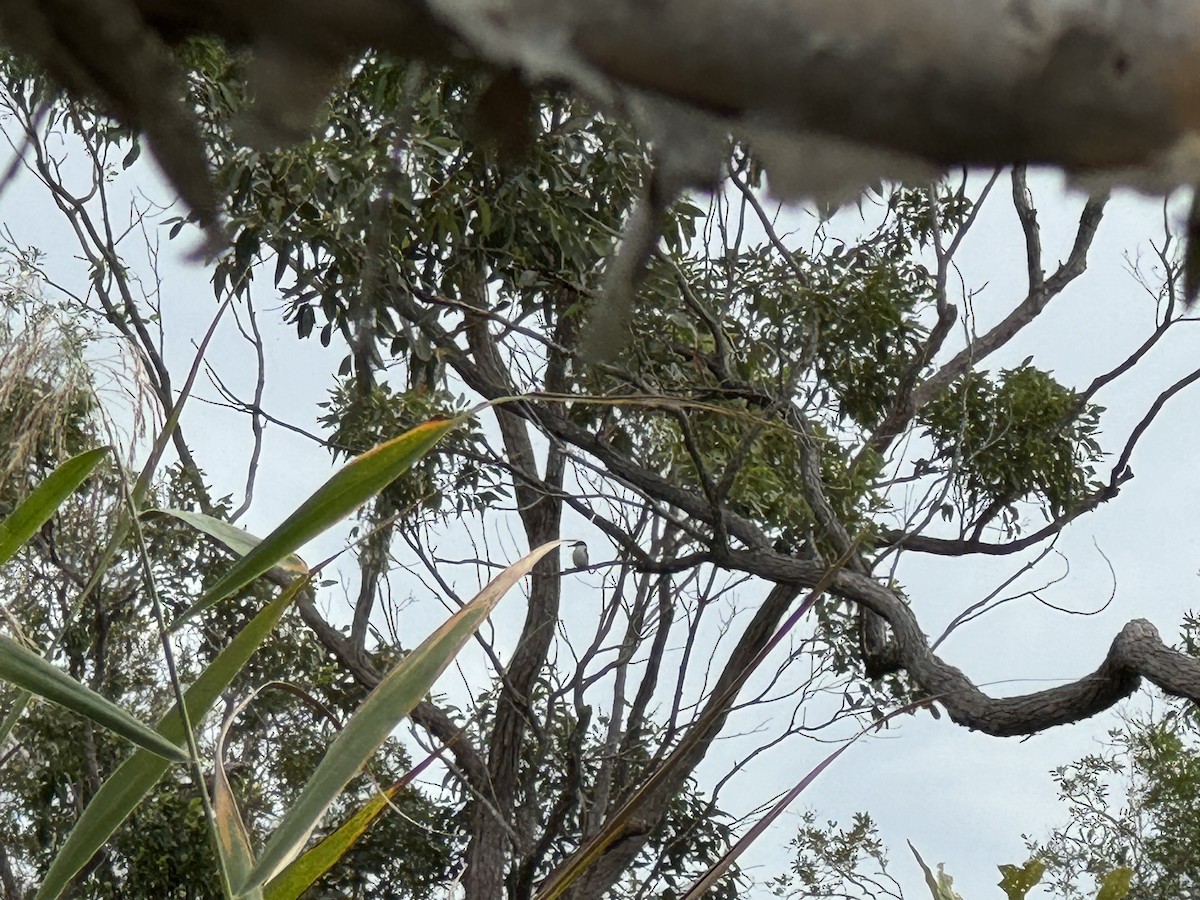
(27, 670)
(236, 539)
(233, 840)
(121, 529)
(124, 789)
(350, 487)
(304, 871)
(392, 700)
(36, 509)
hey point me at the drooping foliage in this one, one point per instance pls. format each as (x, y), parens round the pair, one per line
(57, 760)
(448, 232)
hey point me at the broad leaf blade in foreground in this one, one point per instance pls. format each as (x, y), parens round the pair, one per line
(304, 871)
(124, 789)
(36, 509)
(372, 723)
(27, 670)
(350, 487)
(236, 539)
(233, 840)
(25, 521)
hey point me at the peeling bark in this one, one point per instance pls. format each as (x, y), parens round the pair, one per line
(867, 88)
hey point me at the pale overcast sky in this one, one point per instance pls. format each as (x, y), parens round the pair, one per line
(962, 798)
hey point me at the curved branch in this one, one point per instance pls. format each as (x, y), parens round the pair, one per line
(1136, 652)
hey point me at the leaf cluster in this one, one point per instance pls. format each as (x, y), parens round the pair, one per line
(1017, 436)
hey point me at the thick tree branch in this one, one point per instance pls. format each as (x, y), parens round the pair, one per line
(12, 890)
(1137, 651)
(871, 87)
(540, 510)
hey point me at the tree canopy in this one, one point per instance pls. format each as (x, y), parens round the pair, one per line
(738, 428)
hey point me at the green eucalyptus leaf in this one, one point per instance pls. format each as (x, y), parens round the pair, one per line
(1017, 882)
(27, 670)
(1116, 884)
(377, 717)
(44, 500)
(354, 484)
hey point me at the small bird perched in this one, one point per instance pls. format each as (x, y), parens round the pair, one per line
(579, 555)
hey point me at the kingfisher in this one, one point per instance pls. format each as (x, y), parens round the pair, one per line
(579, 555)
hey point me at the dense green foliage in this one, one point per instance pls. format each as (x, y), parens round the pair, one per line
(1017, 436)
(430, 208)
(59, 759)
(1135, 804)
